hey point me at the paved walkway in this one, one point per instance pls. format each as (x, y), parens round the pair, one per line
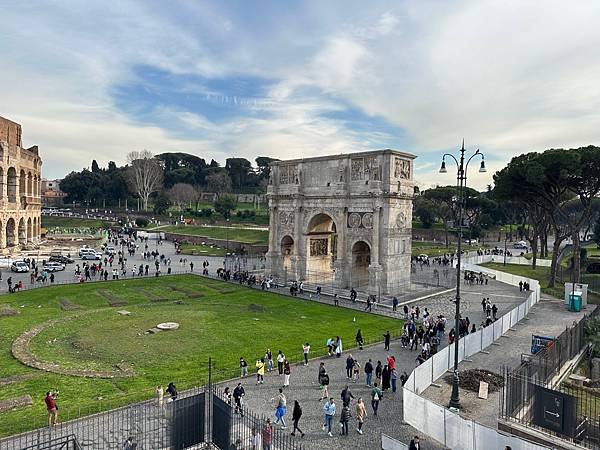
(304, 388)
(547, 318)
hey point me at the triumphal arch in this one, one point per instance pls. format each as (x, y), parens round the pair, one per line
(344, 220)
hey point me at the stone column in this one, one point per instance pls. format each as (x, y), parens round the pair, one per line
(297, 232)
(375, 249)
(375, 267)
(273, 252)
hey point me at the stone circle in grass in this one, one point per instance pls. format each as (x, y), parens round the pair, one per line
(167, 326)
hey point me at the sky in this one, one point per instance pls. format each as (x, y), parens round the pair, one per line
(287, 79)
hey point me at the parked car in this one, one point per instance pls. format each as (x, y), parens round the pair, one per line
(423, 257)
(471, 241)
(520, 245)
(83, 250)
(61, 259)
(91, 255)
(19, 266)
(53, 266)
(110, 251)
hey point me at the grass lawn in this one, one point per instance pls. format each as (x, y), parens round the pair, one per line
(246, 236)
(199, 249)
(72, 222)
(216, 319)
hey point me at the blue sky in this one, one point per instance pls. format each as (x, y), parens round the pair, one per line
(95, 80)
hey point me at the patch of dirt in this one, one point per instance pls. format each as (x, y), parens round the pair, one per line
(256, 308)
(16, 378)
(66, 305)
(111, 298)
(469, 379)
(17, 402)
(187, 292)
(8, 311)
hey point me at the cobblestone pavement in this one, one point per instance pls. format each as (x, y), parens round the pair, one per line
(304, 388)
(547, 318)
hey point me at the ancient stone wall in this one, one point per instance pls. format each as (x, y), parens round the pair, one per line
(20, 189)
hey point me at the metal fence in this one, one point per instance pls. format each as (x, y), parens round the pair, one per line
(195, 417)
(546, 369)
(150, 424)
(245, 429)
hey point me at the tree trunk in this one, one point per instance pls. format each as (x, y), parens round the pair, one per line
(534, 251)
(553, 266)
(576, 257)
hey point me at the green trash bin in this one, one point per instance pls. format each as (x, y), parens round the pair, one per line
(574, 303)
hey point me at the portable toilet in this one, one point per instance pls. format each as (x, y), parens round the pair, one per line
(575, 301)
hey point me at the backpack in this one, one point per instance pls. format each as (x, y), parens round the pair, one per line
(376, 396)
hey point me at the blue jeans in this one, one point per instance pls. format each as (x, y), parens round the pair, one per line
(279, 413)
(328, 421)
(369, 378)
(394, 380)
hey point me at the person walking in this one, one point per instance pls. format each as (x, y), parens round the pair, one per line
(346, 396)
(359, 339)
(172, 391)
(385, 378)
(159, 393)
(415, 444)
(369, 372)
(280, 360)
(329, 409)
(296, 415)
(376, 396)
(260, 371)
(267, 435)
(52, 408)
(280, 409)
(269, 360)
(243, 367)
(238, 394)
(349, 366)
(323, 382)
(386, 341)
(256, 440)
(305, 351)
(344, 419)
(287, 371)
(378, 371)
(361, 413)
(394, 378)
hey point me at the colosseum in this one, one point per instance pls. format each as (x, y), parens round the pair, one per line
(20, 189)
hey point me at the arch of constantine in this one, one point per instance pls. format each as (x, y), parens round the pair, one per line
(344, 220)
(20, 189)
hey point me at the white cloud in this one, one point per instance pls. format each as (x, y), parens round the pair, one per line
(507, 76)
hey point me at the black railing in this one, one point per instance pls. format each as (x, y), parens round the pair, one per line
(547, 369)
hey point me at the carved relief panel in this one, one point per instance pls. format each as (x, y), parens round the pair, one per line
(401, 168)
(358, 220)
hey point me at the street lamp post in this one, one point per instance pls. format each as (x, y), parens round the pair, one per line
(461, 178)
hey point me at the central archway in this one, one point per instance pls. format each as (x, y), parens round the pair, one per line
(321, 249)
(361, 259)
(287, 250)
